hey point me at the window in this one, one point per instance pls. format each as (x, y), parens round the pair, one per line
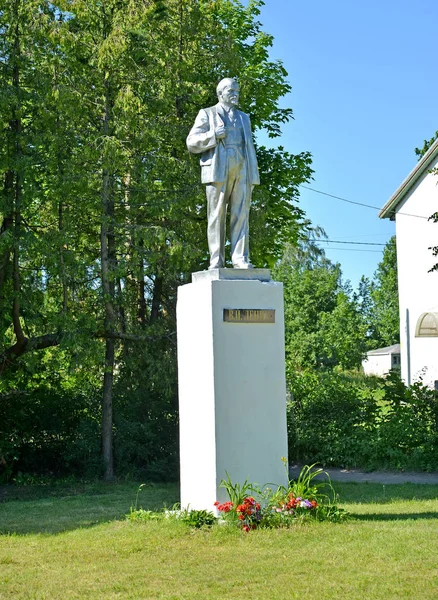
(427, 325)
(395, 361)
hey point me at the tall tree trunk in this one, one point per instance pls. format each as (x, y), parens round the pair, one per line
(107, 269)
(6, 226)
(62, 247)
(61, 258)
(15, 127)
(107, 410)
(18, 330)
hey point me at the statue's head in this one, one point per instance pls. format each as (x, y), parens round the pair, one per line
(228, 91)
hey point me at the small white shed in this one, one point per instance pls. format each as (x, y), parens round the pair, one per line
(382, 360)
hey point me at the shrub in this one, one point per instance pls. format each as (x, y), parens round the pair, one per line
(357, 421)
(38, 432)
(330, 419)
(407, 432)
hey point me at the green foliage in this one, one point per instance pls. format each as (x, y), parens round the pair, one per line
(305, 485)
(275, 220)
(338, 419)
(42, 432)
(434, 249)
(329, 417)
(140, 515)
(237, 492)
(102, 213)
(198, 518)
(192, 518)
(280, 506)
(379, 301)
(323, 325)
(420, 152)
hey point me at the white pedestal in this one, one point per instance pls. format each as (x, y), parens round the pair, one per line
(232, 390)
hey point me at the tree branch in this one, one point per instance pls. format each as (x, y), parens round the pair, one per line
(9, 356)
(23, 345)
(131, 337)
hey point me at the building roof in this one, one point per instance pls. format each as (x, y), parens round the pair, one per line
(391, 207)
(395, 349)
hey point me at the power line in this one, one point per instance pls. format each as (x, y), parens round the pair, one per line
(354, 250)
(342, 242)
(359, 203)
(339, 198)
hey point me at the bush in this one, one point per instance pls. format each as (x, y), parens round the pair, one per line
(407, 428)
(330, 419)
(146, 429)
(38, 430)
(52, 426)
(357, 421)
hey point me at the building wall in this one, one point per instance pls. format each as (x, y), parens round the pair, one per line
(379, 364)
(418, 289)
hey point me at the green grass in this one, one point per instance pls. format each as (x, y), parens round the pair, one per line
(75, 543)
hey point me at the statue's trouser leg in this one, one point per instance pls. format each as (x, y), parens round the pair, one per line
(240, 199)
(236, 191)
(216, 215)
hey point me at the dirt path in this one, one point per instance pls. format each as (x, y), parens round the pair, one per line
(385, 477)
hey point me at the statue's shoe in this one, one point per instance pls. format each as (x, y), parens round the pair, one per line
(243, 265)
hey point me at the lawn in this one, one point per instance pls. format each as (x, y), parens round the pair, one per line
(73, 542)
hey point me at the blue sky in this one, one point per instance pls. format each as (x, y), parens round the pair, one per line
(364, 96)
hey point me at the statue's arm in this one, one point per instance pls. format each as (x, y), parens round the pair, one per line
(202, 135)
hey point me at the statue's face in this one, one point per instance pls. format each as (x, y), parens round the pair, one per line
(230, 94)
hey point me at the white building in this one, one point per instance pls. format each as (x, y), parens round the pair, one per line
(410, 206)
(382, 360)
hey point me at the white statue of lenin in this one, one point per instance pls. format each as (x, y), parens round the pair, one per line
(222, 135)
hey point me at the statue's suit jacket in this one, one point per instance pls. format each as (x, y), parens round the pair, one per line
(202, 140)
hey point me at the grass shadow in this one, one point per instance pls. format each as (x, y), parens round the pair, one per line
(394, 516)
(370, 493)
(65, 510)
(53, 510)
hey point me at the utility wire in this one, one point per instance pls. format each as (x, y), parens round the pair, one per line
(354, 250)
(339, 198)
(359, 203)
(341, 242)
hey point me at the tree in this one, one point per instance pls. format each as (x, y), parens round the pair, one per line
(323, 324)
(103, 213)
(420, 152)
(381, 310)
(29, 223)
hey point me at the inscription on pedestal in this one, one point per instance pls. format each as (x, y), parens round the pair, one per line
(249, 315)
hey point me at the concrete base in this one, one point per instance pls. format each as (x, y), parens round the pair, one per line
(232, 391)
(232, 275)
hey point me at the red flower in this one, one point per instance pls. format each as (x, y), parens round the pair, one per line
(246, 528)
(225, 507)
